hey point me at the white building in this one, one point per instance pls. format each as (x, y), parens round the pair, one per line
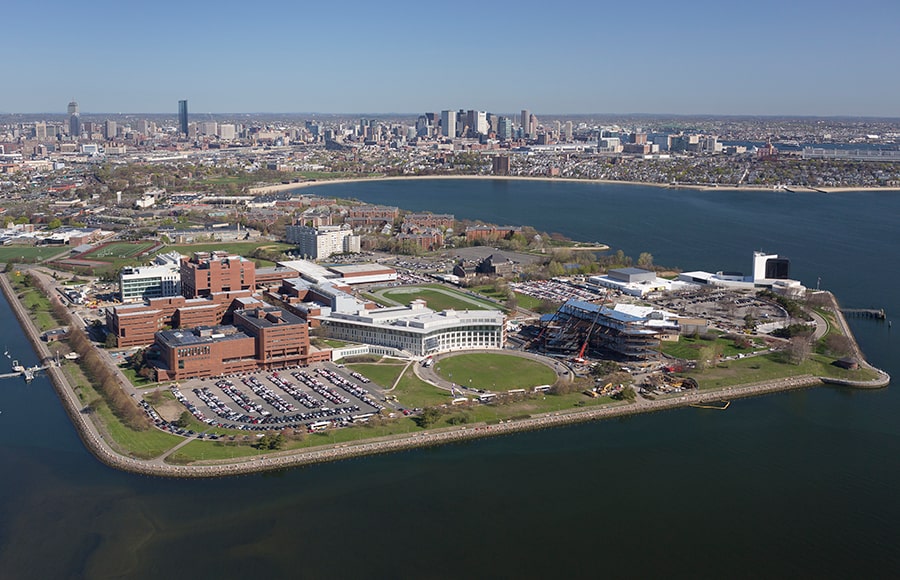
(322, 242)
(157, 281)
(226, 132)
(418, 330)
(448, 123)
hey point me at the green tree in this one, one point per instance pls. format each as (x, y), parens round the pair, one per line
(111, 341)
(645, 260)
(54, 224)
(428, 417)
(183, 420)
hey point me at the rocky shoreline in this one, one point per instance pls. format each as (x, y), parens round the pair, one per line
(105, 453)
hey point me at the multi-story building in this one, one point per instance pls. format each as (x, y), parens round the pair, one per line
(490, 232)
(262, 337)
(427, 220)
(208, 273)
(365, 215)
(448, 124)
(183, 117)
(136, 324)
(504, 128)
(322, 242)
(157, 281)
(419, 330)
(110, 129)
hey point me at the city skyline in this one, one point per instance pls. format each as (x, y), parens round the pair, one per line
(768, 58)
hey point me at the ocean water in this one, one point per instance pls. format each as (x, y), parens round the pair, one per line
(799, 484)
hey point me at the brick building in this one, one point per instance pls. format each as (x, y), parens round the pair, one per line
(262, 337)
(207, 273)
(136, 324)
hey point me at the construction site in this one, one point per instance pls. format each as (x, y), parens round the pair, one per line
(595, 330)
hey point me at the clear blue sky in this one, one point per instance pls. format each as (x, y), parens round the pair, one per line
(766, 57)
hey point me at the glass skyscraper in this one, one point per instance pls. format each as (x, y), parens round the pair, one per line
(182, 117)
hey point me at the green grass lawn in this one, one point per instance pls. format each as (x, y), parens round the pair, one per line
(119, 251)
(136, 379)
(438, 298)
(413, 392)
(143, 444)
(239, 248)
(688, 348)
(495, 372)
(377, 299)
(528, 302)
(38, 306)
(772, 366)
(490, 292)
(380, 374)
(29, 253)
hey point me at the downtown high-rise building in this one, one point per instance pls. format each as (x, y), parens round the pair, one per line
(74, 120)
(504, 128)
(183, 117)
(524, 121)
(448, 123)
(110, 128)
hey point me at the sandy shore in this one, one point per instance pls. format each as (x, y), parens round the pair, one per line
(798, 188)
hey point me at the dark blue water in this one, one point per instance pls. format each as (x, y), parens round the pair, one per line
(798, 484)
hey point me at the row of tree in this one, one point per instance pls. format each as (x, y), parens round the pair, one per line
(102, 377)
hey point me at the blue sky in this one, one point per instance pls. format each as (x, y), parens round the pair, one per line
(762, 57)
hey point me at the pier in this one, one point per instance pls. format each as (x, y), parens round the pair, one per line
(865, 312)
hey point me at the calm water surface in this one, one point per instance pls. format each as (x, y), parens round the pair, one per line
(798, 484)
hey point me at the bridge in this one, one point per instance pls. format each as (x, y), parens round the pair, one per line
(865, 312)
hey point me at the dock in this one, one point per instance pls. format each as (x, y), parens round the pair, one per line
(865, 312)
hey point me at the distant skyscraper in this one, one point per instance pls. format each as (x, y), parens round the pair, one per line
(481, 123)
(570, 134)
(504, 128)
(524, 121)
(448, 123)
(74, 121)
(183, 117)
(109, 129)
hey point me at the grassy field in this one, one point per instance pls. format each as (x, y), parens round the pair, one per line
(438, 298)
(688, 348)
(772, 366)
(36, 303)
(412, 392)
(142, 444)
(29, 253)
(528, 302)
(380, 374)
(136, 379)
(119, 251)
(239, 248)
(495, 372)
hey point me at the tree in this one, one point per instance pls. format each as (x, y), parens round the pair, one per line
(627, 394)
(428, 417)
(645, 260)
(54, 224)
(798, 350)
(111, 341)
(183, 420)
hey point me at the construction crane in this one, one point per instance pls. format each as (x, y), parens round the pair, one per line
(580, 358)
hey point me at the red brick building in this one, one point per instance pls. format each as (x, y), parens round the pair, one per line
(207, 273)
(262, 337)
(137, 324)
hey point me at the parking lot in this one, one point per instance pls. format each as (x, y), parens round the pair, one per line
(313, 398)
